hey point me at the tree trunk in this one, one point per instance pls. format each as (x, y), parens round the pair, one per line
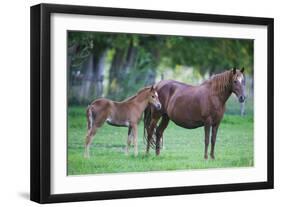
(87, 80)
(71, 51)
(121, 65)
(98, 69)
(92, 84)
(242, 109)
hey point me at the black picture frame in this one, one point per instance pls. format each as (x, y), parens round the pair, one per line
(40, 184)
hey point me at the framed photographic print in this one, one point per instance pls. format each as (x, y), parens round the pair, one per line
(133, 103)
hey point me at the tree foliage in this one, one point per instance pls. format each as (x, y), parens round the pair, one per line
(134, 59)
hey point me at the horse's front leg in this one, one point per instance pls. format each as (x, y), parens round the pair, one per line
(135, 134)
(207, 138)
(213, 140)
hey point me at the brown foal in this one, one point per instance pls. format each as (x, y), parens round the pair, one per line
(125, 114)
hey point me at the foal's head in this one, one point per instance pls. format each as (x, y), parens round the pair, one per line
(238, 84)
(153, 98)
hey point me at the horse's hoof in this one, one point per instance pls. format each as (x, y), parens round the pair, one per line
(212, 157)
(157, 152)
(206, 157)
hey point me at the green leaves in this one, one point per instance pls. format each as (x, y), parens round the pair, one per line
(135, 60)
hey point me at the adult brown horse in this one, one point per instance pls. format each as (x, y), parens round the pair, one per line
(194, 106)
(126, 114)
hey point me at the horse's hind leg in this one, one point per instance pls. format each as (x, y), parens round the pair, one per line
(135, 134)
(89, 138)
(159, 132)
(207, 140)
(213, 140)
(129, 140)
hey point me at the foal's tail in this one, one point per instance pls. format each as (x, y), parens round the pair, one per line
(90, 117)
(146, 125)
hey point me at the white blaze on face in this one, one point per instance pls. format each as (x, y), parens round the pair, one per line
(240, 78)
(156, 94)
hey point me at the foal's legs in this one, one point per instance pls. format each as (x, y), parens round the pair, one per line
(213, 140)
(97, 123)
(159, 132)
(129, 140)
(89, 138)
(207, 138)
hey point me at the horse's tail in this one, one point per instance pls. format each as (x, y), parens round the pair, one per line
(146, 122)
(90, 117)
(146, 125)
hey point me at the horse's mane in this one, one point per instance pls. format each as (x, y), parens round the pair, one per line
(134, 96)
(220, 82)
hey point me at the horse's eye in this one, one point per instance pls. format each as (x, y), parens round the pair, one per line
(153, 96)
(235, 81)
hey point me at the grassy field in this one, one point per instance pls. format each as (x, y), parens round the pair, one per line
(183, 148)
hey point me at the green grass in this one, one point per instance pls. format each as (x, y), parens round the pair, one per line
(183, 148)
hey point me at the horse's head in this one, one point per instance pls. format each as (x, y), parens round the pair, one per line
(153, 98)
(239, 84)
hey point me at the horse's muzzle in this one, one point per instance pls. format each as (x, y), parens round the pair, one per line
(158, 106)
(242, 99)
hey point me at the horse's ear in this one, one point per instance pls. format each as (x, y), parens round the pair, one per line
(234, 70)
(152, 88)
(242, 70)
